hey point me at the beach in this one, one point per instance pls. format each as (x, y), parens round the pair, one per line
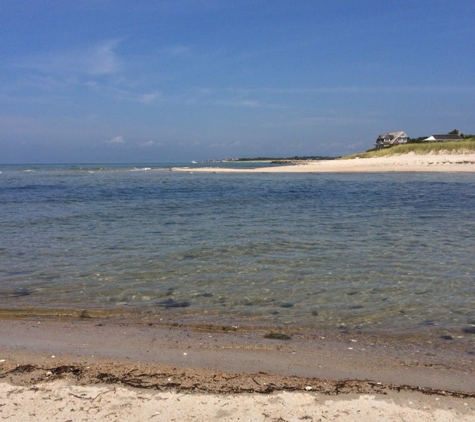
(87, 369)
(397, 163)
(226, 211)
(61, 401)
(226, 307)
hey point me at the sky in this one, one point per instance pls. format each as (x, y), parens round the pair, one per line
(105, 81)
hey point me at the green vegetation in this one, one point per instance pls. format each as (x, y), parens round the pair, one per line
(452, 132)
(277, 159)
(452, 147)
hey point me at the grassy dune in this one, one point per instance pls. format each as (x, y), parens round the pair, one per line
(455, 147)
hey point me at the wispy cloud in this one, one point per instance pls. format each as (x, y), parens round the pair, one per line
(103, 59)
(117, 140)
(249, 103)
(97, 67)
(179, 50)
(40, 127)
(122, 92)
(234, 144)
(330, 120)
(149, 98)
(358, 90)
(148, 144)
(232, 98)
(279, 98)
(242, 103)
(96, 60)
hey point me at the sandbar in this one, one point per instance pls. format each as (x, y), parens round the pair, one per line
(397, 163)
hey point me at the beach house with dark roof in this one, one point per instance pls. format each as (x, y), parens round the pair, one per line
(391, 139)
(443, 138)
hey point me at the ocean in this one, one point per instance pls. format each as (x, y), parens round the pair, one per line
(387, 254)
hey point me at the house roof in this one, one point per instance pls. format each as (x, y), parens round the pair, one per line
(393, 135)
(447, 137)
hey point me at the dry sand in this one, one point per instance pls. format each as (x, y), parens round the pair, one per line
(397, 163)
(87, 369)
(61, 401)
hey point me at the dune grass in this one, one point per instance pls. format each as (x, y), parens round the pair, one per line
(454, 147)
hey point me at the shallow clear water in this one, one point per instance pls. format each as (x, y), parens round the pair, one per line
(385, 253)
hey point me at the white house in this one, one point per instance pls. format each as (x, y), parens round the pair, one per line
(391, 139)
(442, 138)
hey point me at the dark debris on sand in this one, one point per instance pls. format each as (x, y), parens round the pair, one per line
(200, 380)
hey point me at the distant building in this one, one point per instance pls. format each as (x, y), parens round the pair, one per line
(443, 138)
(391, 139)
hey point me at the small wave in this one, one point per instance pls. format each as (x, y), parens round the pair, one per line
(94, 169)
(142, 169)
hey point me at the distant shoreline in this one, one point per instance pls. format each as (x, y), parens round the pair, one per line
(395, 163)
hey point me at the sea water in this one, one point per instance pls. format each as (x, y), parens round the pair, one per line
(387, 253)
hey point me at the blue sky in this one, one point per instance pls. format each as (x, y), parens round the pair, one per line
(155, 81)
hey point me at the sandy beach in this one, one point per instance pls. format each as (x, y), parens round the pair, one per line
(87, 369)
(61, 401)
(397, 163)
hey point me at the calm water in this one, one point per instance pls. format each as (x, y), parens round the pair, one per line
(380, 253)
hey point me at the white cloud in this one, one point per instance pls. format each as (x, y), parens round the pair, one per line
(205, 91)
(149, 143)
(326, 119)
(248, 103)
(95, 60)
(179, 50)
(102, 59)
(149, 98)
(224, 144)
(116, 140)
(231, 97)
(358, 90)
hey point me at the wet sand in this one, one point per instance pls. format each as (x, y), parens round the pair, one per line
(397, 163)
(108, 369)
